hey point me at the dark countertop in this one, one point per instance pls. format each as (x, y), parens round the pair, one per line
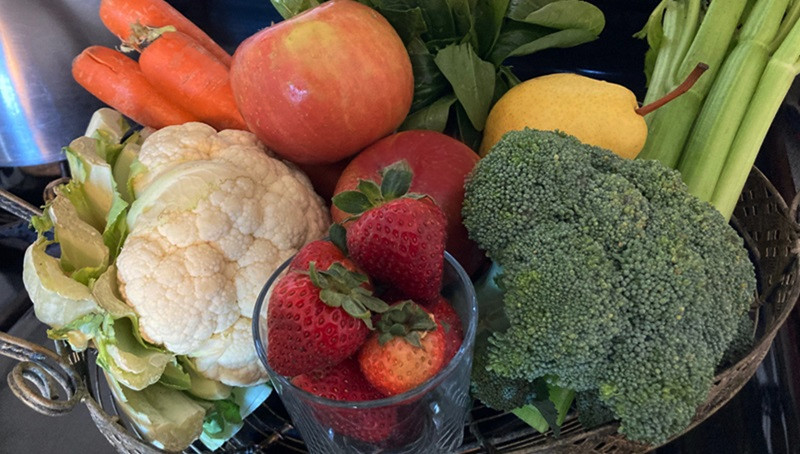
(763, 418)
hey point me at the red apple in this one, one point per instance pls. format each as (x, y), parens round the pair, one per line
(324, 84)
(440, 164)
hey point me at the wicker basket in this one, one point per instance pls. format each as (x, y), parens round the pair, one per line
(762, 218)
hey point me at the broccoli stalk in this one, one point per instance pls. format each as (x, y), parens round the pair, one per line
(614, 280)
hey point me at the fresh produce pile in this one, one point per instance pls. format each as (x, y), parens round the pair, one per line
(606, 284)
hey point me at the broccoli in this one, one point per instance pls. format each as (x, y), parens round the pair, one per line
(615, 279)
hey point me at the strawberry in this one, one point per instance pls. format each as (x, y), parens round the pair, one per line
(316, 319)
(445, 315)
(345, 382)
(395, 237)
(406, 349)
(323, 253)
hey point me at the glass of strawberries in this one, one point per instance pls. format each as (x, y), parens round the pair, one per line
(367, 335)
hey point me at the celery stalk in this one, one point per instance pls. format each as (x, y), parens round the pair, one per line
(689, 25)
(780, 73)
(715, 127)
(671, 12)
(670, 125)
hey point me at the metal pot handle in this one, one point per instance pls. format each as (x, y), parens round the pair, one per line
(39, 375)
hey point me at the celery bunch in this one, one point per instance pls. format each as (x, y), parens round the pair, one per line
(713, 133)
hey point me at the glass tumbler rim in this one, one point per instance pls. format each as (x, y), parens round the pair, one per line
(464, 349)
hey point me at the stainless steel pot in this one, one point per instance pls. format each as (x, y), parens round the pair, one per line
(41, 106)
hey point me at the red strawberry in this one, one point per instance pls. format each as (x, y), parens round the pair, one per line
(444, 314)
(345, 382)
(323, 253)
(397, 238)
(407, 349)
(316, 319)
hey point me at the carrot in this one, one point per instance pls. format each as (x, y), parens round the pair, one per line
(119, 15)
(191, 77)
(117, 80)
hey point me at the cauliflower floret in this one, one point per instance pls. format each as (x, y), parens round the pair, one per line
(230, 356)
(210, 224)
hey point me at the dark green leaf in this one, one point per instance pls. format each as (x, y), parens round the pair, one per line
(503, 82)
(464, 21)
(472, 80)
(545, 406)
(429, 82)
(467, 133)
(439, 17)
(561, 38)
(291, 8)
(409, 23)
(562, 15)
(433, 117)
(338, 236)
(370, 189)
(519, 38)
(513, 35)
(521, 8)
(489, 16)
(396, 180)
(351, 202)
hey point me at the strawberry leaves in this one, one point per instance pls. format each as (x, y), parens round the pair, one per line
(340, 287)
(395, 183)
(407, 320)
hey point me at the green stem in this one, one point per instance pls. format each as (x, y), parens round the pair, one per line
(667, 50)
(780, 73)
(689, 26)
(786, 26)
(721, 115)
(669, 126)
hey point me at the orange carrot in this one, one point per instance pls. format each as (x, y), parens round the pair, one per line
(119, 15)
(117, 80)
(191, 77)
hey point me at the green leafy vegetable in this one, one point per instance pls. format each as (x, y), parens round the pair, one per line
(458, 47)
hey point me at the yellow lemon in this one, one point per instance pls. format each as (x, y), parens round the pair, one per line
(596, 112)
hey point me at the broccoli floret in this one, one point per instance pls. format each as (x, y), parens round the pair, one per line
(616, 280)
(497, 391)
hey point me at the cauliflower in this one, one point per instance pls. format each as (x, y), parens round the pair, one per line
(214, 215)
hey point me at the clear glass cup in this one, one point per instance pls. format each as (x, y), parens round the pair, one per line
(427, 419)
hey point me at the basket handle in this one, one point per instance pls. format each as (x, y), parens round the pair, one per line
(794, 206)
(39, 375)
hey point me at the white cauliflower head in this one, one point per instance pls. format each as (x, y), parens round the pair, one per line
(214, 216)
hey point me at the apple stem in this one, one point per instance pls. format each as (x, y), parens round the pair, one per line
(679, 90)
